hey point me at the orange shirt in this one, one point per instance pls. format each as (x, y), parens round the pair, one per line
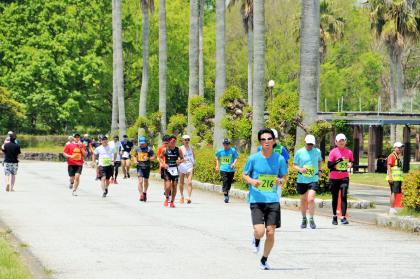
(160, 151)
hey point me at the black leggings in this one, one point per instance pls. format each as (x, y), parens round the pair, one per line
(227, 178)
(116, 167)
(336, 186)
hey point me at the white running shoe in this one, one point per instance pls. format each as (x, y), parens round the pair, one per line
(74, 193)
(264, 266)
(392, 211)
(255, 249)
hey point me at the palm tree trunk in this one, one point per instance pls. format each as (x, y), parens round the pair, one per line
(193, 58)
(114, 122)
(259, 72)
(399, 78)
(220, 83)
(145, 74)
(120, 70)
(201, 50)
(309, 64)
(163, 63)
(250, 61)
(392, 61)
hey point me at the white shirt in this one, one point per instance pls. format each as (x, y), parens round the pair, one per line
(106, 155)
(116, 146)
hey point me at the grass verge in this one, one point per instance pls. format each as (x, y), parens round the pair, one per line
(11, 265)
(408, 212)
(374, 179)
(44, 149)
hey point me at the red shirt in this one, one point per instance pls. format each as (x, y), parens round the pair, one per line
(74, 150)
(160, 151)
(392, 160)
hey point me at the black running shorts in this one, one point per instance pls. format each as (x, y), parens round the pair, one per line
(168, 177)
(302, 188)
(266, 214)
(106, 171)
(395, 186)
(143, 172)
(73, 169)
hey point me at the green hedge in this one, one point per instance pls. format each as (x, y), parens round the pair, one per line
(411, 188)
(32, 141)
(204, 171)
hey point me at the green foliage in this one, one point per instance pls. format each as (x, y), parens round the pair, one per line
(237, 120)
(150, 125)
(36, 141)
(12, 111)
(411, 188)
(202, 118)
(319, 129)
(177, 124)
(289, 187)
(342, 127)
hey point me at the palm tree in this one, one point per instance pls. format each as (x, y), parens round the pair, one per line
(332, 26)
(259, 70)
(201, 49)
(309, 63)
(247, 15)
(114, 122)
(146, 5)
(119, 66)
(395, 23)
(193, 58)
(220, 83)
(163, 63)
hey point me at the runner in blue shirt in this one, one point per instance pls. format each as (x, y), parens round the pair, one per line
(225, 163)
(307, 162)
(265, 172)
(277, 148)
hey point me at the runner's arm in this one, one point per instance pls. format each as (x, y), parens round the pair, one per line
(180, 158)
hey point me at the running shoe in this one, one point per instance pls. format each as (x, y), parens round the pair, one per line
(344, 221)
(264, 266)
(334, 221)
(125, 177)
(392, 211)
(226, 198)
(104, 194)
(172, 204)
(188, 200)
(74, 193)
(115, 181)
(255, 249)
(7, 187)
(128, 175)
(312, 223)
(166, 202)
(145, 197)
(106, 191)
(142, 197)
(181, 200)
(304, 223)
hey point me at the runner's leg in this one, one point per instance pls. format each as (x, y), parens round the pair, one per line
(173, 190)
(12, 182)
(181, 184)
(140, 185)
(334, 191)
(303, 203)
(190, 175)
(311, 202)
(344, 189)
(269, 239)
(76, 181)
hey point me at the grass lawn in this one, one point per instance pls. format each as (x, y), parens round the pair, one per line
(11, 266)
(408, 212)
(323, 196)
(44, 149)
(375, 179)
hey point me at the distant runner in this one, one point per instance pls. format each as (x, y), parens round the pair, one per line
(340, 160)
(225, 163)
(127, 146)
(143, 155)
(265, 172)
(186, 168)
(106, 159)
(162, 148)
(307, 162)
(87, 142)
(116, 146)
(394, 174)
(11, 152)
(75, 152)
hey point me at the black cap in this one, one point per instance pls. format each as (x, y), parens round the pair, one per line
(104, 137)
(226, 141)
(76, 135)
(125, 136)
(116, 137)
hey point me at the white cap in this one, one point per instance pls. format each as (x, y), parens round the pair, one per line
(276, 134)
(310, 139)
(398, 145)
(10, 132)
(186, 136)
(340, 136)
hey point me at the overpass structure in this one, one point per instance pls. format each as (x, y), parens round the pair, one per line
(376, 122)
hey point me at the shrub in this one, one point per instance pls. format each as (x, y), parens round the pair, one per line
(33, 141)
(202, 118)
(177, 124)
(150, 124)
(411, 187)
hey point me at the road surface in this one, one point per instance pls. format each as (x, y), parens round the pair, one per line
(119, 237)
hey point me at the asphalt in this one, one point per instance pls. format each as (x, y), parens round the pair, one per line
(119, 237)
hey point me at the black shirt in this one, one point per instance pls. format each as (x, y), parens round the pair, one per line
(11, 151)
(127, 145)
(171, 156)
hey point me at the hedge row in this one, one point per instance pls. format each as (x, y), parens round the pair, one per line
(411, 189)
(32, 141)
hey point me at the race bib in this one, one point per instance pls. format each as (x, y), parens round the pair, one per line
(106, 162)
(142, 156)
(126, 154)
(77, 156)
(225, 159)
(267, 182)
(173, 171)
(310, 171)
(342, 166)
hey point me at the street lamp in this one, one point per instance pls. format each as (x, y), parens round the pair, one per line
(270, 86)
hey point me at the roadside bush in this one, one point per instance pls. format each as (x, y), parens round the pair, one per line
(202, 119)
(177, 124)
(411, 188)
(35, 141)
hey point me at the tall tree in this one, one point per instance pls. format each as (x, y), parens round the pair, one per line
(259, 71)
(193, 58)
(119, 68)
(395, 23)
(332, 26)
(201, 49)
(163, 63)
(309, 63)
(146, 6)
(220, 83)
(114, 119)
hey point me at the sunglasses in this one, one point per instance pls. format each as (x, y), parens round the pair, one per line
(186, 139)
(266, 139)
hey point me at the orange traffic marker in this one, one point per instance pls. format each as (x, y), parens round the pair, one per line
(398, 200)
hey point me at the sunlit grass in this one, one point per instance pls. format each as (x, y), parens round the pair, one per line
(11, 266)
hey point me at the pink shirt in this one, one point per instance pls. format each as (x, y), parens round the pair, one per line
(336, 154)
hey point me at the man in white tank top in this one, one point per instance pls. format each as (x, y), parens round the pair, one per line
(186, 168)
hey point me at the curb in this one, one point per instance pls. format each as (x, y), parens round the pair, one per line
(285, 201)
(405, 223)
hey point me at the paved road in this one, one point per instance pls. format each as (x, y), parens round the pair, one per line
(119, 237)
